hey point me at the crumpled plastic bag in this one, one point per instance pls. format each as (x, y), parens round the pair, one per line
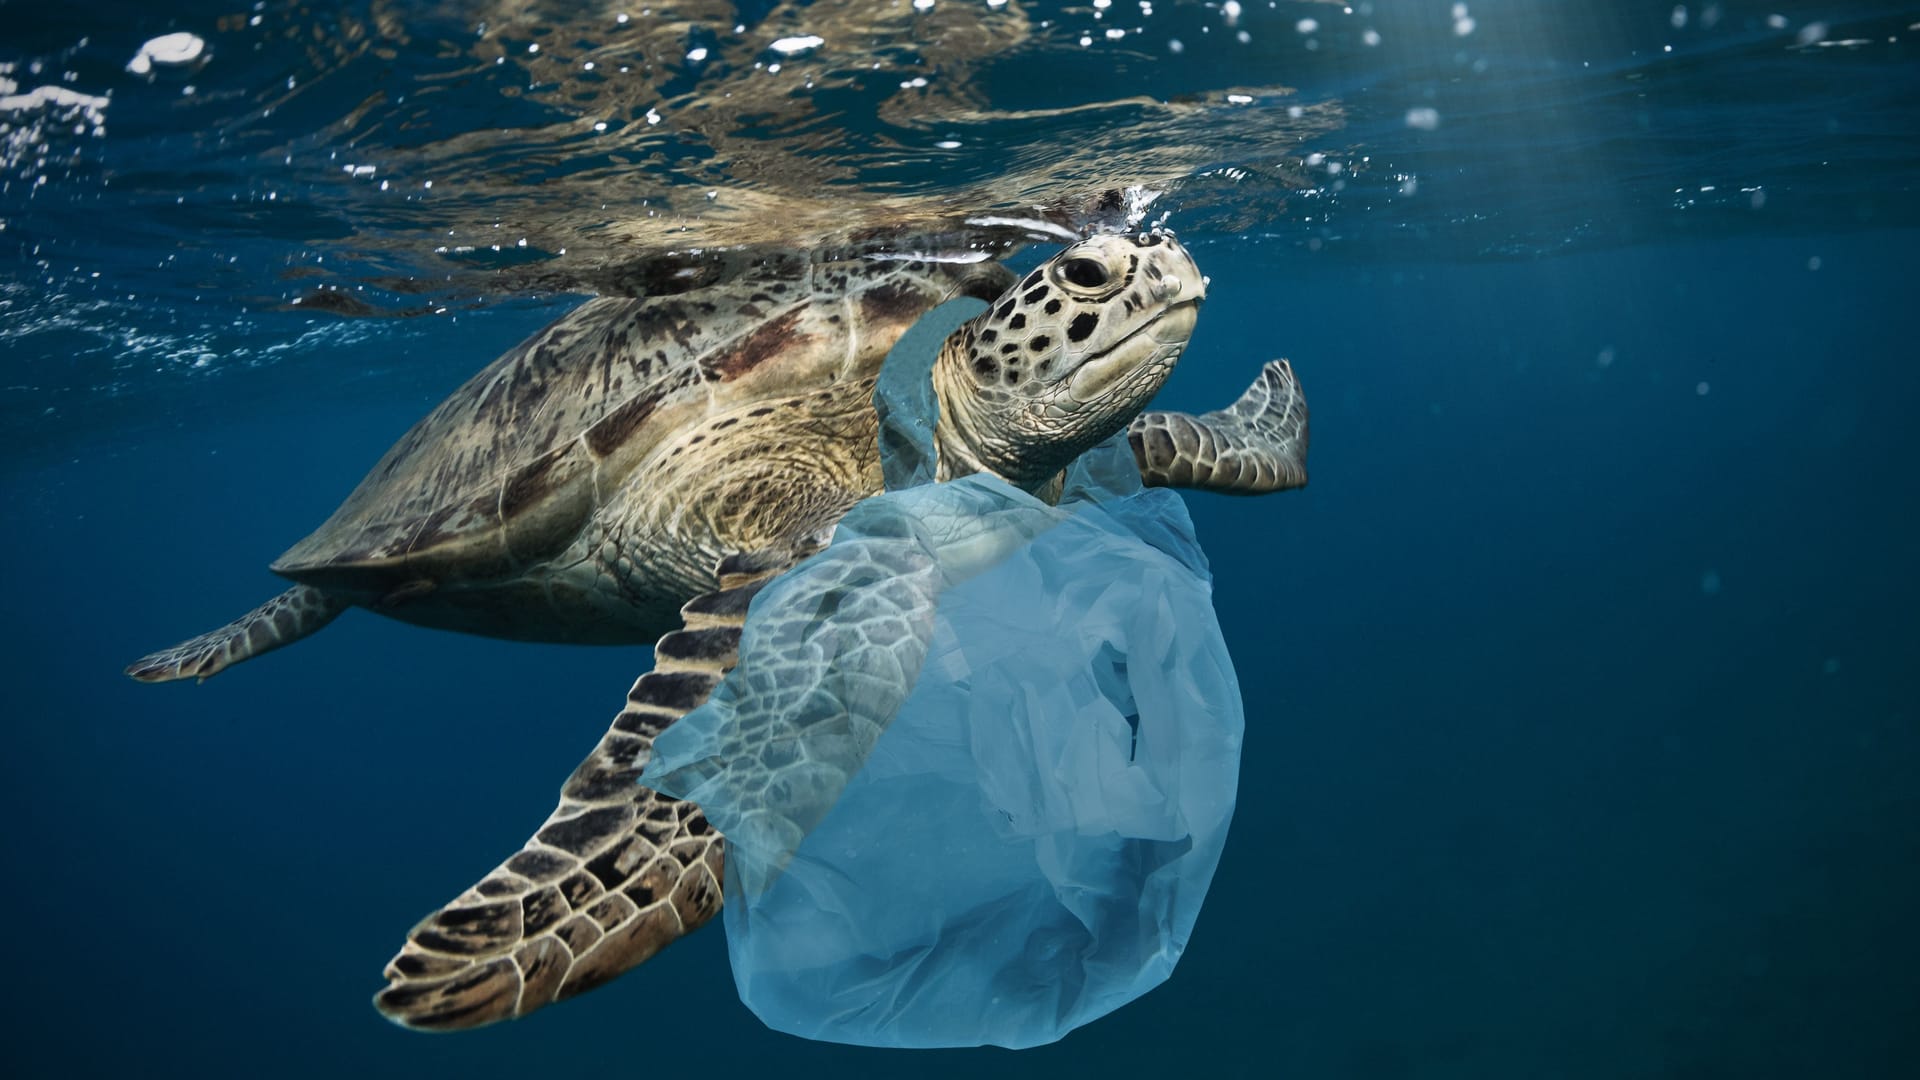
(976, 765)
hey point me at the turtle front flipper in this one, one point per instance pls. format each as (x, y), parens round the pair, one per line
(618, 871)
(1254, 446)
(282, 620)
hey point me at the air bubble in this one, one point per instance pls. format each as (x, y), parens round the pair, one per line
(793, 46)
(167, 49)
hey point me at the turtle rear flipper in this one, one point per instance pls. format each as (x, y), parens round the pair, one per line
(1254, 446)
(282, 620)
(617, 872)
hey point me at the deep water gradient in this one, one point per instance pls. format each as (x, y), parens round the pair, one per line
(1581, 710)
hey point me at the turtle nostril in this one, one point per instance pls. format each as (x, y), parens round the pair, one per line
(1086, 273)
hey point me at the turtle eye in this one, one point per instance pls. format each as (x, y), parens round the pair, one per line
(1086, 273)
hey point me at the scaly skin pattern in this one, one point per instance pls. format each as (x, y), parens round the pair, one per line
(1064, 358)
(616, 873)
(573, 492)
(282, 620)
(1255, 446)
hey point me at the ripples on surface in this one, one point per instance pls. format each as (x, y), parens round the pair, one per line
(401, 158)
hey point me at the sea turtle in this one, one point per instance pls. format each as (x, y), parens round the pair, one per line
(641, 467)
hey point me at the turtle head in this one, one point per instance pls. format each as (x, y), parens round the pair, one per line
(1065, 358)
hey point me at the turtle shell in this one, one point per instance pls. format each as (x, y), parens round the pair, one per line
(505, 472)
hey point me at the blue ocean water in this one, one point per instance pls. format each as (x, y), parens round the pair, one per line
(1581, 682)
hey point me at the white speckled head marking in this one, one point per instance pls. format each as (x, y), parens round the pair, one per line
(1066, 357)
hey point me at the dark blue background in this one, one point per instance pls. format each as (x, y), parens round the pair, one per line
(1522, 796)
